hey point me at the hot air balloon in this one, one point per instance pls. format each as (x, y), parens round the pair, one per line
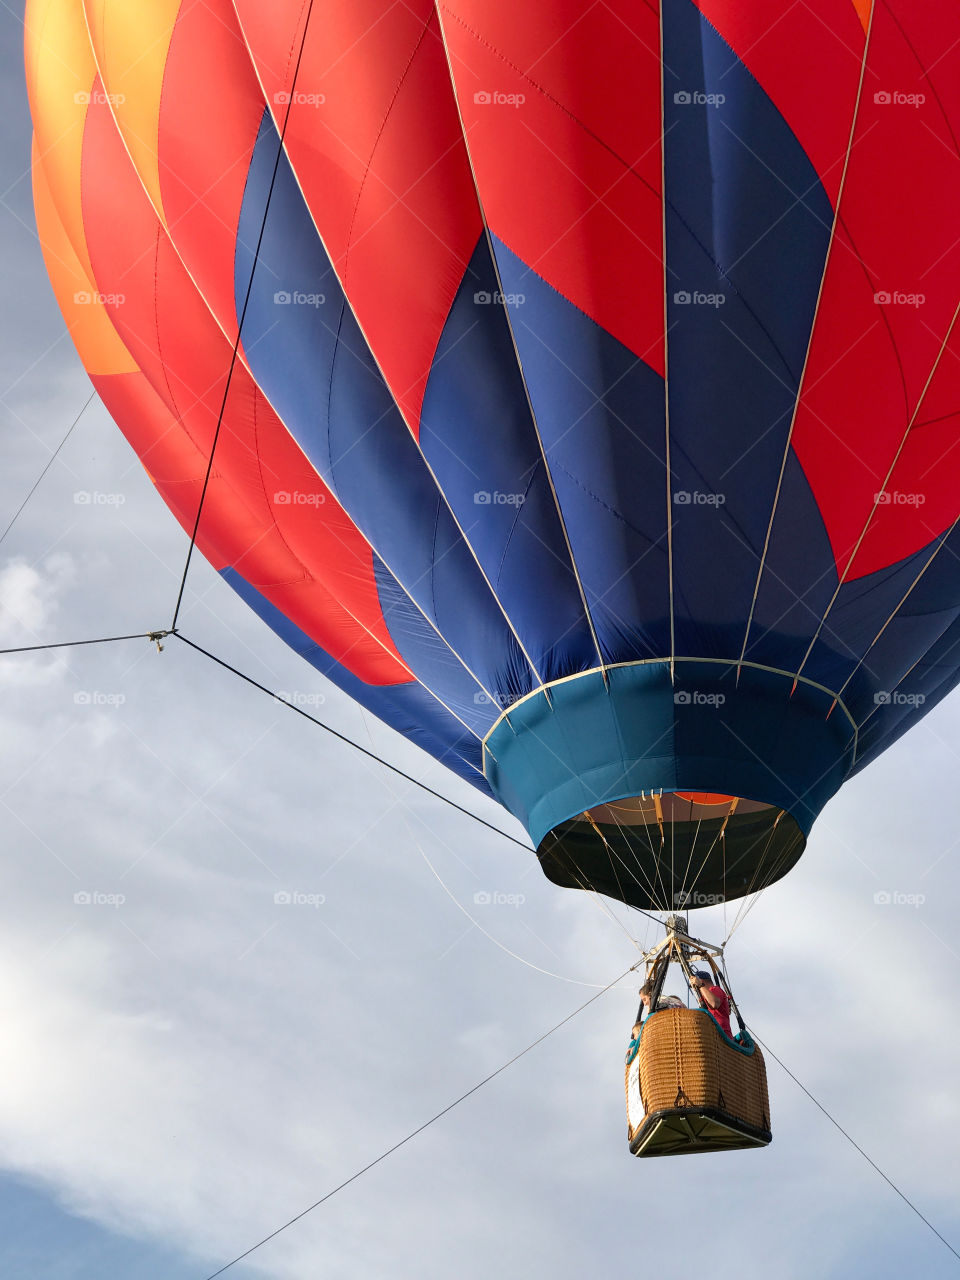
(594, 414)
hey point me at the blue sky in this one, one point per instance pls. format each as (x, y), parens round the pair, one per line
(41, 1239)
(182, 1070)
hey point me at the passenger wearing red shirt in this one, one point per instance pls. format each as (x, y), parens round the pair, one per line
(714, 999)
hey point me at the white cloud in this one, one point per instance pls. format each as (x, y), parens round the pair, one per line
(29, 600)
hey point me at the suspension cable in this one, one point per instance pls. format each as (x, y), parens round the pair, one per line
(489, 936)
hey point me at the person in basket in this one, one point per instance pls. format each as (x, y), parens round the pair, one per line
(713, 998)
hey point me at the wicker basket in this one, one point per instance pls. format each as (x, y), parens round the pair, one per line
(696, 1092)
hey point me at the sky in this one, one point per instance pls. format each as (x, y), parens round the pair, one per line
(239, 960)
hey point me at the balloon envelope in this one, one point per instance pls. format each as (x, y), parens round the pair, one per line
(596, 409)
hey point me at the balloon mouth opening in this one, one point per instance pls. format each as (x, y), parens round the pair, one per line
(650, 784)
(673, 850)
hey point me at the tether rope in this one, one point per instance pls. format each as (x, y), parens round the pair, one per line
(221, 662)
(157, 636)
(50, 461)
(438, 795)
(426, 1125)
(873, 1164)
(243, 316)
(73, 644)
